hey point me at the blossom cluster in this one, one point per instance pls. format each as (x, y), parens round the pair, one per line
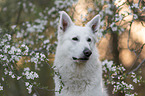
(28, 87)
(23, 43)
(116, 76)
(29, 74)
(28, 41)
(136, 78)
(16, 47)
(122, 86)
(59, 6)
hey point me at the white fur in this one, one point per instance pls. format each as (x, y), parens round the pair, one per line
(80, 78)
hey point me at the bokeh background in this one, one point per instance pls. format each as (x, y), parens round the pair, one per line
(34, 23)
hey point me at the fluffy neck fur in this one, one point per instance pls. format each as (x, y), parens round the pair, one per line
(77, 78)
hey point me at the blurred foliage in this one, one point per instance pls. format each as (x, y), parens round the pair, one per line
(28, 41)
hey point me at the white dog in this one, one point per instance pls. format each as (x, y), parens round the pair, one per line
(76, 60)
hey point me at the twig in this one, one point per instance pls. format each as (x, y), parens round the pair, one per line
(134, 50)
(142, 24)
(137, 67)
(137, 55)
(129, 37)
(49, 90)
(143, 61)
(19, 13)
(139, 2)
(36, 91)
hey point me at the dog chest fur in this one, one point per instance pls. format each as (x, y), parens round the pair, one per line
(79, 76)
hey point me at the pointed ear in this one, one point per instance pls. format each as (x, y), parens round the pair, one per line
(94, 23)
(65, 21)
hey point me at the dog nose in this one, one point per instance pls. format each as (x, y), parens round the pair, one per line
(87, 52)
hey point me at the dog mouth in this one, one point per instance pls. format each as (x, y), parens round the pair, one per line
(81, 59)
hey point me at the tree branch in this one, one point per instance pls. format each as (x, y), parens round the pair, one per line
(19, 13)
(137, 67)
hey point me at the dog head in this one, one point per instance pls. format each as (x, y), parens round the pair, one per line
(76, 42)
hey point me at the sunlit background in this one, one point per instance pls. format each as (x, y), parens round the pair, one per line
(31, 26)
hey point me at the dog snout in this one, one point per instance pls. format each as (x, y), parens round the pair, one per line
(87, 52)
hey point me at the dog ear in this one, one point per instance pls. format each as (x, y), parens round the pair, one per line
(65, 21)
(94, 23)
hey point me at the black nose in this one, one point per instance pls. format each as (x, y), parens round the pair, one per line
(87, 52)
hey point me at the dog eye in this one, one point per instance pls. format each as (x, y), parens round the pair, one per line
(75, 39)
(89, 40)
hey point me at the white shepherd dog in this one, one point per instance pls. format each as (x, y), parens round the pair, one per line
(76, 60)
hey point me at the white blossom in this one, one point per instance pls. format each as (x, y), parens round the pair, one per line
(27, 69)
(25, 47)
(6, 47)
(19, 77)
(6, 71)
(34, 94)
(5, 9)
(3, 79)
(13, 76)
(119, 2)
(135, 5)
(19, 35)
(135, 16)
(46, 41)
(26, 83)
(108, 10)
(8, 36)
(1, 88)
(29, 88)
(10, 73)
(13, 26)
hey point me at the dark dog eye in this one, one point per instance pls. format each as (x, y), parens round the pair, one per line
(89, 40)
(75, 39)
